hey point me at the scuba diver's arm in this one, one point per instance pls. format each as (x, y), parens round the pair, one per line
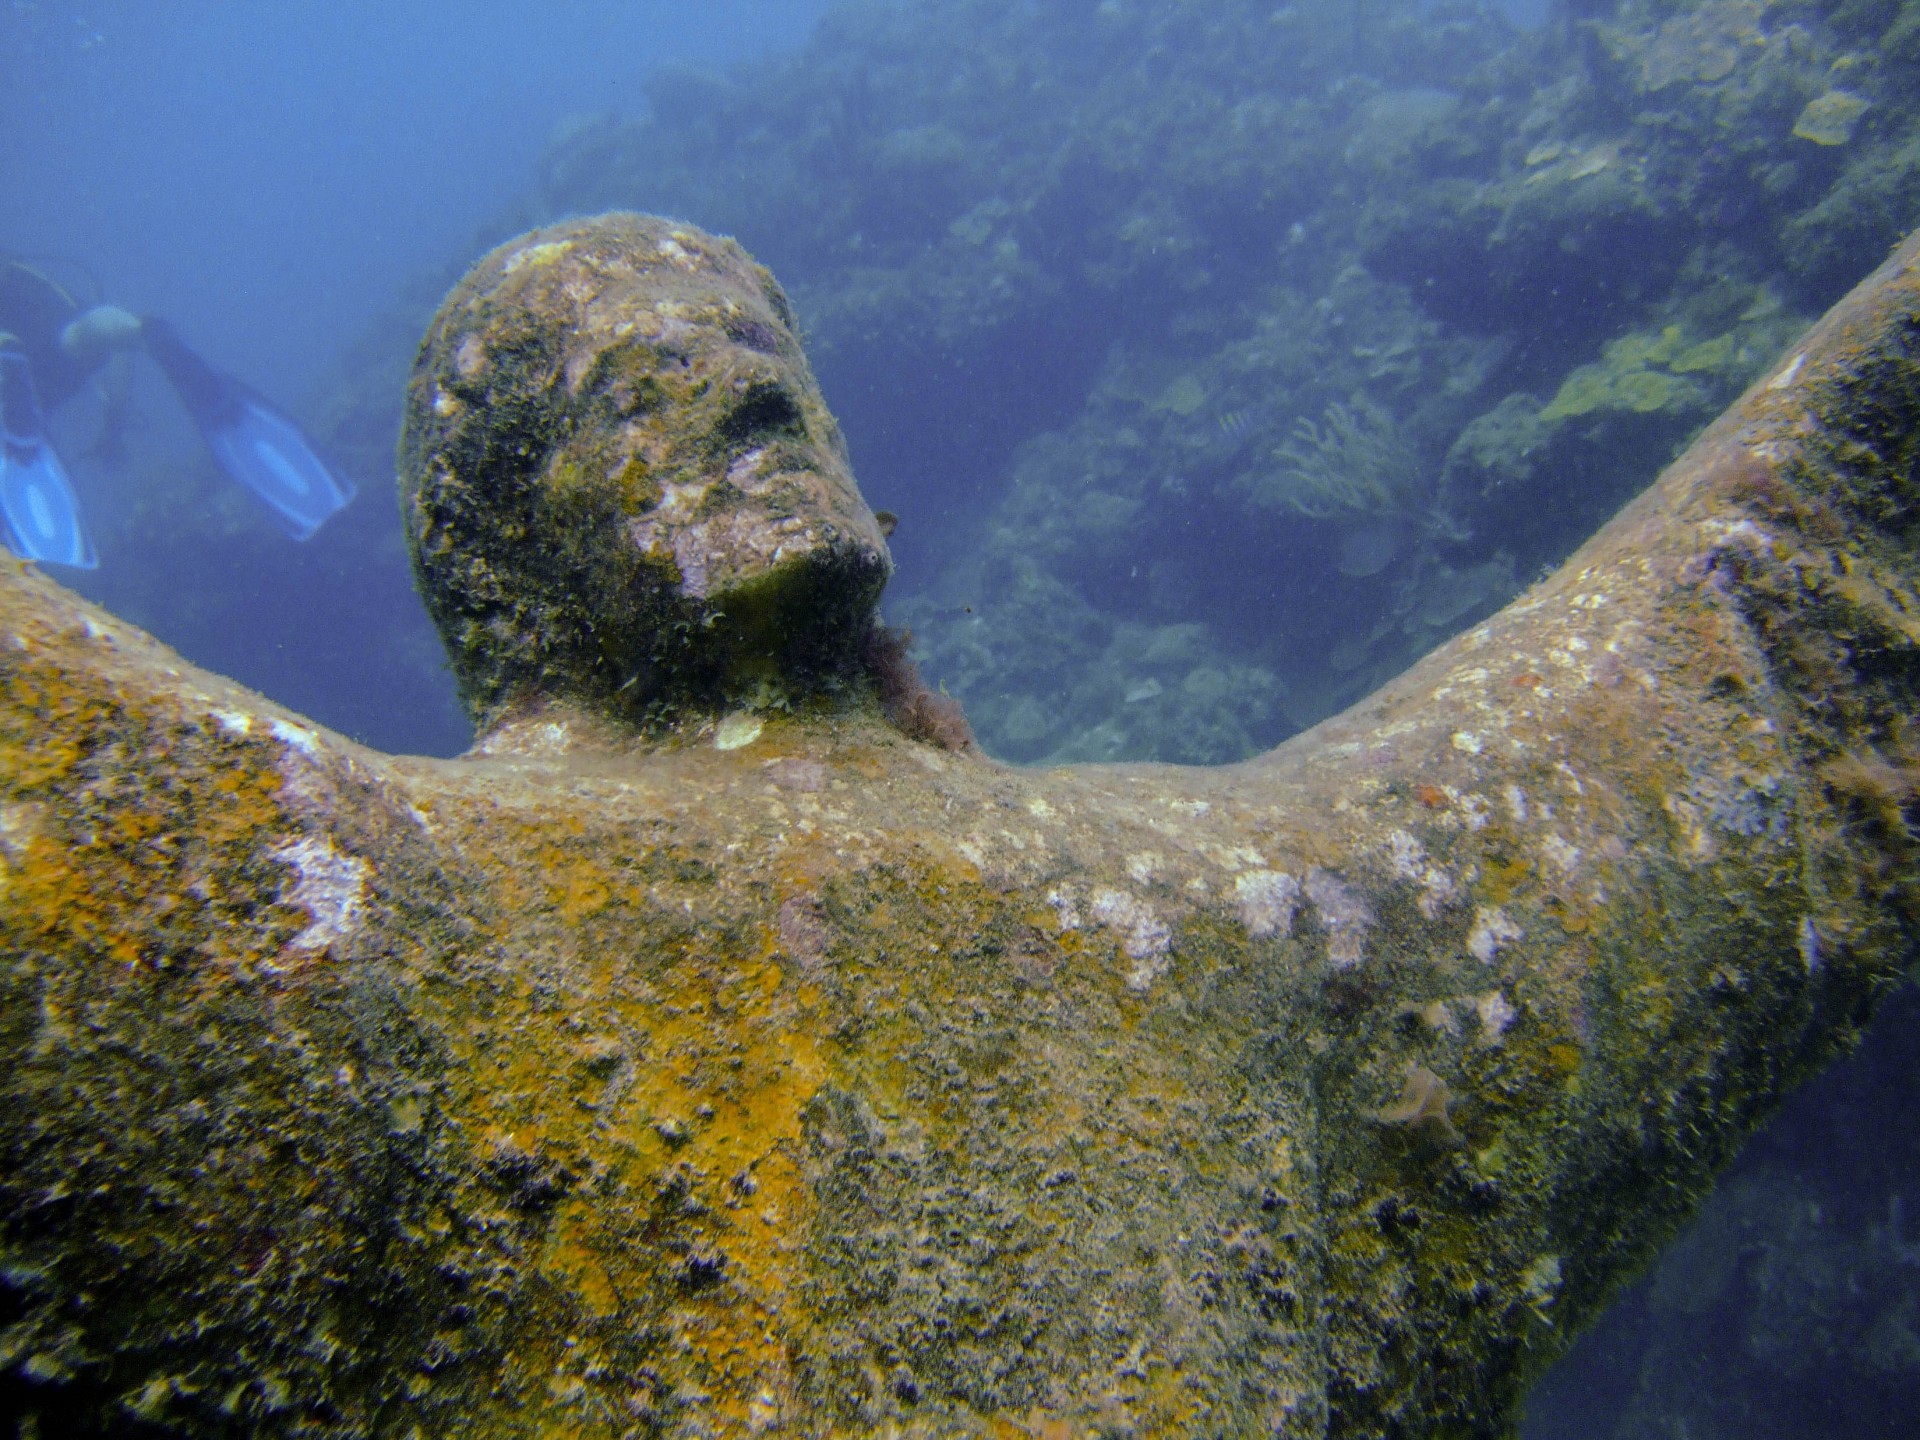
(66, 340)
(101, 341)
(55, 347)
(97, 334)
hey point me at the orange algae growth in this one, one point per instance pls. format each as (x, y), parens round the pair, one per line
(691, 1064)
(158, 876)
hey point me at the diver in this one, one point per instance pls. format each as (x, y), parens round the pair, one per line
(51, 347)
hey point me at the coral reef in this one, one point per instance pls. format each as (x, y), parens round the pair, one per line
(1353, 460)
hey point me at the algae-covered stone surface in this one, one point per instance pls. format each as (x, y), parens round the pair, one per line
(699, 1079)
(620, 482)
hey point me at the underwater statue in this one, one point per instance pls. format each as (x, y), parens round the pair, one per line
(701, 1055)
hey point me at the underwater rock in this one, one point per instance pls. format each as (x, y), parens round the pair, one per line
(820, 1082)
(1700, 46)
(1368, 548)
(1829, 119)
(621, 487)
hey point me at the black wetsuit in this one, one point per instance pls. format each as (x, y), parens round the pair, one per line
(33, 311)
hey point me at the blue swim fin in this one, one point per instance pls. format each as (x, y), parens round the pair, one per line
(255, 444)
(39, 514)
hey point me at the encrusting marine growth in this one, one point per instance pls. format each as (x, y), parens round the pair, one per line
(621, 485)
(700, 1056)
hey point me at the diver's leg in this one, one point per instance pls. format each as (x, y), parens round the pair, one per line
(257, 445)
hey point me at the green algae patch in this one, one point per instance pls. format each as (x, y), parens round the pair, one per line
(1183, 397)
(1830, 119)
(1637, 375)
(1710, 357)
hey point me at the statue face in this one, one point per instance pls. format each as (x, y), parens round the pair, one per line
(621, 484)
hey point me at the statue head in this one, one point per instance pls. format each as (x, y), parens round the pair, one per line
(621, 486)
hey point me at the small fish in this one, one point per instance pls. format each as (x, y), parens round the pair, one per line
(1232, 427)
(888, 523)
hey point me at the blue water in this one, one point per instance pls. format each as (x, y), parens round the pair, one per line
(268, 174)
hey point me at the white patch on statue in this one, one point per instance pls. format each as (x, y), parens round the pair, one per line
(331, 889)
